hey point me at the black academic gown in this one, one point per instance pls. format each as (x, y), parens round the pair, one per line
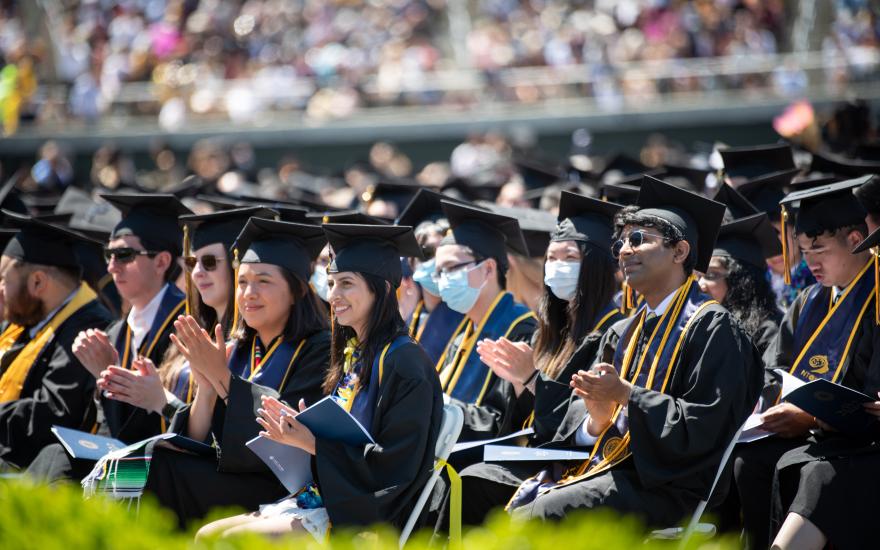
(57, 390)
(489, 485)
(380, 482)
(192, 485)
(755, 463)
(677, 437)
(501, 411)
(116, 419)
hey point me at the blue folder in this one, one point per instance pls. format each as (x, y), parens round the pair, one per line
(291, 465)
(85, 445)
(838, 406)
(327, 419)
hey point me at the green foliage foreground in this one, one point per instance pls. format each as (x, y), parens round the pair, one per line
(57, 518)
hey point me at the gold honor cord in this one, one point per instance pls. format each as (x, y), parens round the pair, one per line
(783, 222)
(349, 403)
(414, 322)
(461, 325)
(187, 251)
(524, 316)
(127, 350)
(831, 311)
(296, 353)
(255, 369)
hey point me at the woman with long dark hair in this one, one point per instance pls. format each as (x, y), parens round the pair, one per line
(576, 309)
(280, 347)
(382, 377)
(736, 276)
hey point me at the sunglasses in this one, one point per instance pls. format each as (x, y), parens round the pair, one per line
(125, 255)
(636, 238)
(209, 262)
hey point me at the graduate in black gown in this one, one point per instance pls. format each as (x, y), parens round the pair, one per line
(828, 490)
(383, 378)
(280, 347)
(430, 321)
(682, 377)
(576, 309)
(472, 263)
(826, 333)
(736, 276)
(142, 259)
(45, 305)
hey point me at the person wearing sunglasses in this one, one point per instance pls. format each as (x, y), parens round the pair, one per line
(142, 259)
(430, 321)
(576, 309)
(45, 305)
(280, 347)
(669, 386)
(471, 262)
(385, 381)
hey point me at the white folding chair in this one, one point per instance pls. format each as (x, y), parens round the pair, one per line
(694, 526)
(450, 428)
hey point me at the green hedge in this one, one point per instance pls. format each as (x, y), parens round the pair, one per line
(57, 518)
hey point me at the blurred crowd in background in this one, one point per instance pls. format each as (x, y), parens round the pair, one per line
(79, 59)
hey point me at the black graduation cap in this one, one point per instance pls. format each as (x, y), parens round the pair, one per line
(40, 204)
(827, 208)
(814, 179)
(736, 205)
(488, 234)
(40, 242)
(586, 220)
(537, 174)
(424, 206)
(624, 163)
(293, 246)
(151, 217)
(621, 194)
(755, 161)
(869, 195)
(869, 151)
(372, 249)
(347, 217)
(472, 190)
(697, 217)
(694, 178)
(86, 210)
(397, 192)
(537, 226)
(222, 202)
(766, 191)
(836, 164)
(872, 240)
(190, 186)
(221, 227)
(751, 240)
(62, 219)
(9, 198)
(6, 235)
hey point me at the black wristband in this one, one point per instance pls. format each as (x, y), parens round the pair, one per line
(531, 378)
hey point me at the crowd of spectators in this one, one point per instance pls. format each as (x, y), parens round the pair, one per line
(329, 58)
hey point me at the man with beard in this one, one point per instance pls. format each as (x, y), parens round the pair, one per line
(45, 305)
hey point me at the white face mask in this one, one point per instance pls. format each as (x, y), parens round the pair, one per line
(562, 278)
(319, 282)
(457, 292)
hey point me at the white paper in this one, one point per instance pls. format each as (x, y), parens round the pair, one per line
(752, 429)
(505, 453)
(789, 382)
(472, 444)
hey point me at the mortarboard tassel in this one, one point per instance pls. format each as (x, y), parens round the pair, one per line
(786, 276)
(235, 265)
(188, 299)
(626, 301)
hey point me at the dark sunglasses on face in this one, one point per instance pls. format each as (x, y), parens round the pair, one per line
(125, 255)
(636, 238)
(209, 262)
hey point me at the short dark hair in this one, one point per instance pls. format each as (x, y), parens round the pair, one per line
(868, 195)
(500, 263)
(632, 215)
(838, 232)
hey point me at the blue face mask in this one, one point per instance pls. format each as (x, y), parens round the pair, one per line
(562, 278)
(424, 275)
(455, 290)
(318, 281)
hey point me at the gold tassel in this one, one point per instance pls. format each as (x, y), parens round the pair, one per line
(786, 276)
(235, 266)
(626, 300)
(187, 252)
